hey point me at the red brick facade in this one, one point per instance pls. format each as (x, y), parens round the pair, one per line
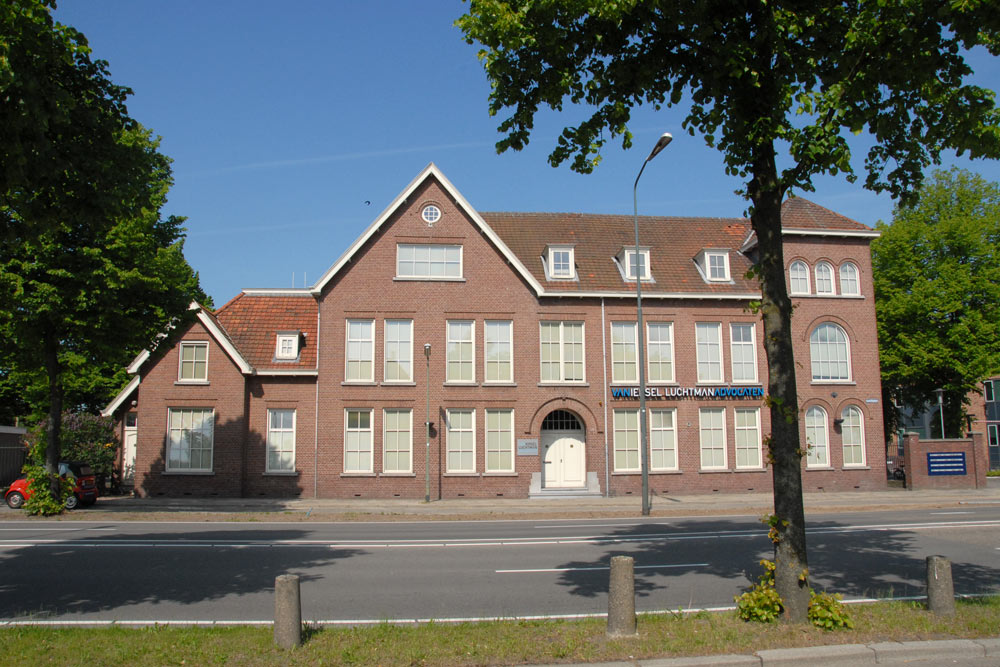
(503, 285)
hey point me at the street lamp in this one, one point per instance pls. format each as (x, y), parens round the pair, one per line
(427, 426)
(940, 396)
(661, 143)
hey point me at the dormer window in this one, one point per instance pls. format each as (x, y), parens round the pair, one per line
(714, 265)
(636, 263)
(560, 262)
(287, 346)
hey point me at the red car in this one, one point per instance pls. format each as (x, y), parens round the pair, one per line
(84, 491)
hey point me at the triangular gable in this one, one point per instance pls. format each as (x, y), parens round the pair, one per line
(430, 171)
(122, 396)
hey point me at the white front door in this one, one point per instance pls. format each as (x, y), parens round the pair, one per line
(564, 458)
(128, 447)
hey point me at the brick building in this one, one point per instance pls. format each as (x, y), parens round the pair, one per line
(514, 335)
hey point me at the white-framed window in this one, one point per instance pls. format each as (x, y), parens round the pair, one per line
(660, 351)
(993, 435)
(360, 351)
(190, 439)
(430, 214)
(561, 352)
(824, 278)
(280, 441)
(743, 352)
(988, 391)
(358, 440)
(498, 355)
(708, 348)
(849, 282)
(663, 439)
(817, 440)
(428, 262)
(623, 352)
(398, 351)
(637, 264)
(626, 423)
(460, 351)
(830, 354)
(717, 265)
(798, 278)
(286, 346)
(397, 440)
(712, 431)
(561, 263)
(852, 431)
(748, 442)
(193, 363)
(461, 440)
(499, 440)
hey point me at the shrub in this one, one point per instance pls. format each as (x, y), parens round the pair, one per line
(763, 604)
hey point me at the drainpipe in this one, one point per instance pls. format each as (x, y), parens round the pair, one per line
(604, 365)
(316, 409)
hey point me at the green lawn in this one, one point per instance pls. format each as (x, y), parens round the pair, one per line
(501, 642)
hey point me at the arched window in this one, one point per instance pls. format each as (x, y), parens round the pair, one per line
(818, 453)
(798, 278)
(849, 284)
(824, 278)
(853, 431)
(831, 357)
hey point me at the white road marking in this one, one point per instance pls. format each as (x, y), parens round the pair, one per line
(596, 569)
(941, 513)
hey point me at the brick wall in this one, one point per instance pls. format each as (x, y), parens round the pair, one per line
(915, 456)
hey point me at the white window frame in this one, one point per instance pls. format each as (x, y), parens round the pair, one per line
(457, 362)
(397, 351)
(857, 444)
(817, 425)
(627, 263)
(498, 352)
(465, 439)
(738, 350)
(286, 346)
(825, 285)
(178, 434)
(352, 442)
(365, 355)
(660, 353)
(499, 441)
(280, 441)
(988, 391)
(748, 439)
(851, 285)
(710, 270)
(193, 363)
(993, 435)
(569, 273)
(394, 436)
(798, 271)
(626, 440)
(716, 444)
(821, 358)
(703, 351)
(624, 344)
(439, 259)
(663, 439)
(562, 346)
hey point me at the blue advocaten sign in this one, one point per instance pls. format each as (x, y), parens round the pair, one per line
(688, 392)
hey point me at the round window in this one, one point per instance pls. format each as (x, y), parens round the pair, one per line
(431, 214)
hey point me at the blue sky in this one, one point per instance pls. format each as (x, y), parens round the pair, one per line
(292, 125)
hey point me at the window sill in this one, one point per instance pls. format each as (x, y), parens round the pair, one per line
(358, 383)
(461, 384)
(838, 383)
(500, 474)
(461, 474)
(846, 468)
(396, 474)
(398, 384)
(563, 384)
(427, 279)
(751, 470)
(191, 383)
(827, 296)
(820, 469)
(357, 474)
(189, 473)
(630, 473)
(715, 471)
(281, 473)
(499, 384)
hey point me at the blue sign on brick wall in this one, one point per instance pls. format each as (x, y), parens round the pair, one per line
(945, 463)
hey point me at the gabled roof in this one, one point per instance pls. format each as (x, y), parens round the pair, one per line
(252, 321)
(801, 217)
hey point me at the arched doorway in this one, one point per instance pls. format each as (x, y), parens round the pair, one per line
(564, 452)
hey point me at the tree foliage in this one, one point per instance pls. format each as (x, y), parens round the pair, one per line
(937, 292)
(86, 438)
(765, 82)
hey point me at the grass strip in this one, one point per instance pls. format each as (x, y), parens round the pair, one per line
(492, 643)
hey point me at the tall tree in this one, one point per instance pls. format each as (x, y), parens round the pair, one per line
(88, 266)
(937, 293)
(766, 81)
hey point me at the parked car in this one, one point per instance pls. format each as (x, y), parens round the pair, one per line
(84, 490)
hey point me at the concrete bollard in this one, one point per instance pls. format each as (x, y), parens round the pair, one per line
(940, 589)
(287, 611)
(621, 598)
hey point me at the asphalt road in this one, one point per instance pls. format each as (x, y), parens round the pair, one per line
(350, 572)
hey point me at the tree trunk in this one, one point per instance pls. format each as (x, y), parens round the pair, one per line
(53, 445)
(791, 567)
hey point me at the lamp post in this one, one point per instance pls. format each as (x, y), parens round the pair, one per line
(940, 396)
(427, 428)
(661, 143)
